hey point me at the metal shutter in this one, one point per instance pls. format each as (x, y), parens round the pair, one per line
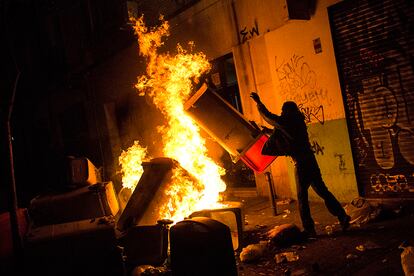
(374, 50)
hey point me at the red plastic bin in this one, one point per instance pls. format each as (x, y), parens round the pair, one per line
(253, 158)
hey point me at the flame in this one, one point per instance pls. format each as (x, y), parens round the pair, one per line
(169, 82)
(183, 194)
(131, 165)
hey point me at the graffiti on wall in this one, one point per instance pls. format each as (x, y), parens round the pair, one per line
(360, 151)
(248, 33)
(378, 81)
(383, 119)
(316, 148)
(389, 183)
(313, 113)
(297, 82)
(383, 111)
(341, 161)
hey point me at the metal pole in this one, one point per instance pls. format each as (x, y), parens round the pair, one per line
(17, 239)
(13, 207)
(236, 21)
(272, 192)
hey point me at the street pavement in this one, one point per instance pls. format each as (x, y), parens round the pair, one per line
(372, 247)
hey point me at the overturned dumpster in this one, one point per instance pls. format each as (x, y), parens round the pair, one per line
(240, 138)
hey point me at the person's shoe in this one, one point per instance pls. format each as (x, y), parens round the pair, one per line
(309, 233)
(345, 222)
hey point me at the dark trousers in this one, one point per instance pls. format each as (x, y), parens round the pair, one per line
(309, 174)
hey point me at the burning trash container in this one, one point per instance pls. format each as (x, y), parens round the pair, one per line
(149, 195)
(229, 128)
(145, 234)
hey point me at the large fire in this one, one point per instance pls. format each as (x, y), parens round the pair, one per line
(169, 82)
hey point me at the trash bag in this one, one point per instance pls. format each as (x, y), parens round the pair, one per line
(147, 270)
(361, 211)
(407, 260)
(253, 252)
(284, 235)
(289, 256)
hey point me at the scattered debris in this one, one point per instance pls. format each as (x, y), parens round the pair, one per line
(360, 248)
(284, 202)
(361, 211)
(298, 247)
(329, 229)
(351, 256)
(369, 245)
(290, 256)
(285, 213)
(253, 252)
(260, 226)
(144, 270)
(284, 235)
(287, 272)
(299, 272)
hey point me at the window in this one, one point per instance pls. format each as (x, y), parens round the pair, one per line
(223, 79)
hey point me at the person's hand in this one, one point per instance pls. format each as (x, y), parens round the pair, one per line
(267, 130)
(255, 97)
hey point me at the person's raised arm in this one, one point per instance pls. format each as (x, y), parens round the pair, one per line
(268, 116)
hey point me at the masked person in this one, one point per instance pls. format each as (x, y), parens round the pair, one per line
(308, 172)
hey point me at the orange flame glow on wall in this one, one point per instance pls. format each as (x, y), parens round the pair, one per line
(169, 82)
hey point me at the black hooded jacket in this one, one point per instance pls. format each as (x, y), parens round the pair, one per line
(294, 124)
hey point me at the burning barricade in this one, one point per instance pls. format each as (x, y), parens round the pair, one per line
(136, 235)
(90, 227)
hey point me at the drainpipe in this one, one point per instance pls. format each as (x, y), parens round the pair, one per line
(13, 204)
(236, 21)
(239, 43)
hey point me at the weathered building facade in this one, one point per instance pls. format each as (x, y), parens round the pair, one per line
(349, 67)
(348, 64)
